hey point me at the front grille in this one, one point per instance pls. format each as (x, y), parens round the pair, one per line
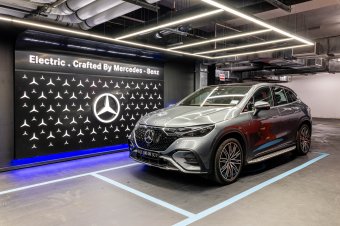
(160, 142)
(158, 162)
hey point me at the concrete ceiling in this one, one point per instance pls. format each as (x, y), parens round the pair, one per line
(321, 18)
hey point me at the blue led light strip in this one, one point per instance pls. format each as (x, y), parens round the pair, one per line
(67, 155)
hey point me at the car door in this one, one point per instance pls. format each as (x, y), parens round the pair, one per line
(263, 130)
(287, 112)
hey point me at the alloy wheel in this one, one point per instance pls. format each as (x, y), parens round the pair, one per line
(230, 161)
(305, 139)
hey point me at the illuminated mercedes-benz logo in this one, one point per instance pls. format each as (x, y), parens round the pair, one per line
(109, 110)
(148, 136)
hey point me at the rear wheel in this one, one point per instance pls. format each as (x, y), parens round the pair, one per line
(303, 140)
(228, 161)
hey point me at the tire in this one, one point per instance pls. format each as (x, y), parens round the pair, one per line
(228, 162)
(303, 140)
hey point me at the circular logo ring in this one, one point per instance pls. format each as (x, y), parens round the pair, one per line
(107, 108)
(148, 136)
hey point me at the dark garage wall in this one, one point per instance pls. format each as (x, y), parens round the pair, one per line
(6, 98)
(179, 79)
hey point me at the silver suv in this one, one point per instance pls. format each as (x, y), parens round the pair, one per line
(219, 129)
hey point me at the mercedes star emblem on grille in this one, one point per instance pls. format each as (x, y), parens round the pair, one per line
(148, 136)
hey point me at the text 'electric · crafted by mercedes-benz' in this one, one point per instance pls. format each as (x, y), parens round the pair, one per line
(219, 129)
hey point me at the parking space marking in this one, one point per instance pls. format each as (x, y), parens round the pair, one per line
(144, 196)
(64, 179)
(246, 193)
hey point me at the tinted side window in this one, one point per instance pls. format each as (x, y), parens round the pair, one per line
(290, 95)
(279, 96)
(262, 94)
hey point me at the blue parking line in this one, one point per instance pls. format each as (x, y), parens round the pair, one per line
(145, 196)
(244, 194)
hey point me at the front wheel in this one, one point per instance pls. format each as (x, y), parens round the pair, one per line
(228, 162)
(303, 140)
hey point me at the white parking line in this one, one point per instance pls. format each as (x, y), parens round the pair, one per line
(64, 179)
(144, 196)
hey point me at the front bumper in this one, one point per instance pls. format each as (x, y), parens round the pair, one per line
(173, 158)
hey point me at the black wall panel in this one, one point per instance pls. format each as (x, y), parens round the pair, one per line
(179, 79)
(64, 108)
(178, 82)
(6, 98)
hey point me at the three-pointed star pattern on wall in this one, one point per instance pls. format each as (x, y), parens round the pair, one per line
(54, 111)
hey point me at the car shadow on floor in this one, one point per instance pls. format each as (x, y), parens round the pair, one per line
(164, 178)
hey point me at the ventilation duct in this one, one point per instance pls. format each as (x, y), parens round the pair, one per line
(114, 12)
(86, 12)
(43, 1)
(305, 51)
(69, 7)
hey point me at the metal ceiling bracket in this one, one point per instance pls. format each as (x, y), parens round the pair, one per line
(280, 5)
(143, 4)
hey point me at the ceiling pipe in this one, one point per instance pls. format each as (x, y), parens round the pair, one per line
(43, 1)
(68, 7)
(86, 12)
(279, 5)
(297, 8)
(112, 13)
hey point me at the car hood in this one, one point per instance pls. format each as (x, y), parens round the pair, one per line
(181, 116)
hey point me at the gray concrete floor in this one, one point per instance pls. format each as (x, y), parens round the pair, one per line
(74, 193)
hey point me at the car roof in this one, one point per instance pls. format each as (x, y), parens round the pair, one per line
(245, 84)
(255, 85)
(250, 84)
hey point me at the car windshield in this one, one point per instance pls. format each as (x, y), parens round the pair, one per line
(217, 96)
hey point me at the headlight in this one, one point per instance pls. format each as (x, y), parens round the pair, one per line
(192, 131)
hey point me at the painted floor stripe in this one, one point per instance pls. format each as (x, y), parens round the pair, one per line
(145, 196)
(64, 179)
(244, 194)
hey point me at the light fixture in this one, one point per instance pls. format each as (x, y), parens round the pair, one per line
(41, 41)
(121, 53)
(246, 46)
(172, 23)
(234, 12)
(90, 35)
(162, 49)
(173, 49)
(261, 51)
(221, 39)
(256, 21)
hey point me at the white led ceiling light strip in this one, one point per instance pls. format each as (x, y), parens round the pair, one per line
(257, 21)
(269, 27)
(180, 21)
(261, 51)
(91, 35)
(246, 46)
(221, 39)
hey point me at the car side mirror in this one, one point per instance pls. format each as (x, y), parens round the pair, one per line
(260, 106)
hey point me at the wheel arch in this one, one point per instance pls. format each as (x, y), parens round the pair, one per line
(238, 135)
(307, 121)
